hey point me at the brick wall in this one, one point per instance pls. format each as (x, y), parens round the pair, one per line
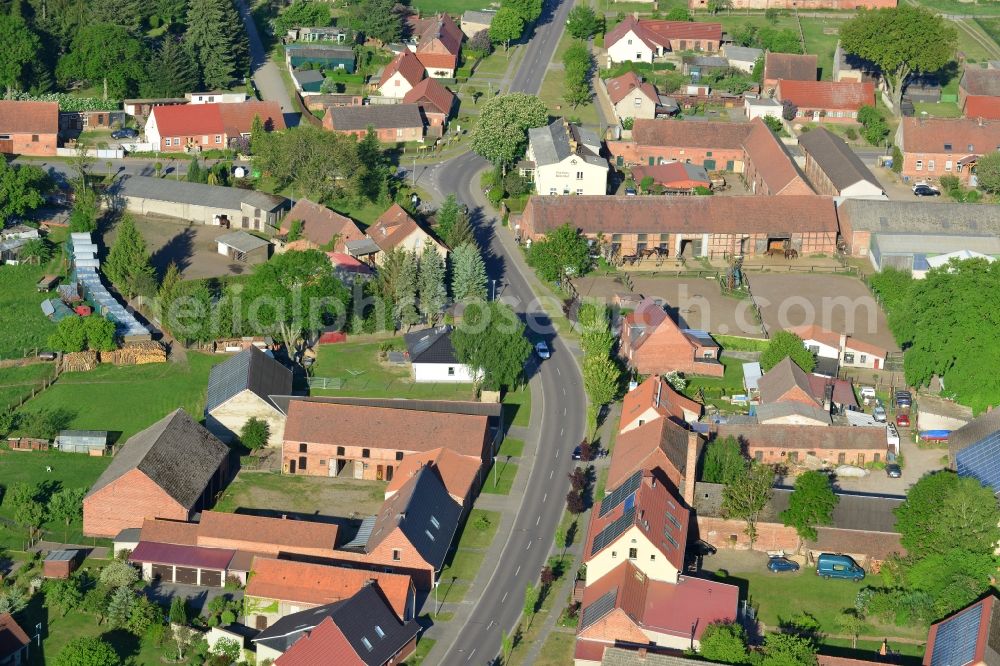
(33, 144)
(664, 351)
(125, 503)
(818, 178)
(382, 558)
(770, 536)
(632, 153)
(791, 456)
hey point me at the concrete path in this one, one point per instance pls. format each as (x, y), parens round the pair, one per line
(266, 75)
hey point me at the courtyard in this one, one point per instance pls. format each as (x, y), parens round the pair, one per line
(290, 494)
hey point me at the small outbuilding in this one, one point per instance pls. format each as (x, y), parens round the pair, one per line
(433, 357)
(308, 81)
(244, 247)
(92, 442)
(60, 563)
(240, 389)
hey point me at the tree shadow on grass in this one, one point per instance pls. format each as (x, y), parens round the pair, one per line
(125, 643)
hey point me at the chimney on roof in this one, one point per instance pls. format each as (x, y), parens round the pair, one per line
(401, 515)
(691, 466)
(981, 121)
(635, 15)
(641, 652)
(843, 342)
(284, 516)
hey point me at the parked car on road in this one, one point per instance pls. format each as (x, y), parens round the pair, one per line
(542, 350)
(578, 453)
(124, 133)
(835, 565)
(779, 564)
(893, 471)
(925, 190)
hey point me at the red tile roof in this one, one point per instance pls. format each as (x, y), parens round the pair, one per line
(457, 472)
(29, 117)
(231, 119)
(958, 136)
(441, 28)
(654, 502)
(661, 442)
(832, 339)
(772, 161)
(375, 427)
(717, 215)
(185, 556)
(161, 530)
(656, 394)
(407, 64)
(431, 96)
(622, 86)
(326, 643)
(320, 224)
(319, 584)
(982, 107)
(837, 95)
(434, 61)
(673, 175)
(710, 135)
(790, 66)
(287, 534)
(668, 30)
(808, 437)
(392, 227)
(12, 637)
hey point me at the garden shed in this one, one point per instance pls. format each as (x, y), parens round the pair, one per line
(241, 246)
(60, 563)
(93, 442)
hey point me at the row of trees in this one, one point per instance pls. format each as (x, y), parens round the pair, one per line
(578, 65)
(602, 373)
(512, 19)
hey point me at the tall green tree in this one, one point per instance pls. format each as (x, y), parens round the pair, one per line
(452, 223)
(255, 433)
(66, 505)
(127, 14)
(405, 290)
(106, 54)
(578, 65)
(293, 294)
(502, 132)
(468, 274)
(176, 71)
(70, 335)
(788, 649)
(87, 651)
(216, 37)
(583, 22)
(310, 161)
(787, 344)
(21, 48)
(811, 504)
(374, 169)
(127, 265)
(901, 41)
(601, 379)
(724, 460)
(528, 10)
(745, 496)
(506, 26)
(562, 252)
(83, 216)
(430, 275)
(988, 172)
(66, 595)
(724, 643)
(22, 189)
(302, 13)
(120, 607)
(490, 340)
(378, 19)
(100, 333)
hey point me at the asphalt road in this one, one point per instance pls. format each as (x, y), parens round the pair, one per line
(561, 399)
(266, 75)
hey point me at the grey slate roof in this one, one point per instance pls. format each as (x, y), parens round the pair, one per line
(379, 116)
(935, 244)
(252, 370)
(176, 453)
(242, 241)
(743, 53)
(473, 16)
(836, 159)
(424, 512)
(916, 217)
(307, 75)
(550, 144)
(213, 196)
(865, 513)
(777, 410)
(431, 346)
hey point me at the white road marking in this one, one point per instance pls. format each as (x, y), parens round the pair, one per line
(564, 411)
(528, 547)
(564, 390)
(545, 497)
(504, 597)
(489, 625)
(538, 520)
(471, 653)
(551, 472)
(558, 371)
(517, 572)
(557, 453)
(561, 431)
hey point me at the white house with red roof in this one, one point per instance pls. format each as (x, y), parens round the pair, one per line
(197, 127)
(632, 97)
(847, 350)
(635, 40)
(437, 41)
(401, 75)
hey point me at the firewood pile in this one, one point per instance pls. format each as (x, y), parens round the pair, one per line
(136, 353)
(80, 361)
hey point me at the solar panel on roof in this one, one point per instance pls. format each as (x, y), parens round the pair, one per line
(981, 461)
(619, 494)
(630, 502)
(595, 611)
(612, 531)
(955, 643)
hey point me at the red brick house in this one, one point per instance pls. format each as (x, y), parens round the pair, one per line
(437, 41)
(172, 469)
(436, 104)
(769, 168)
(29, 128)
(796, 444)
(787, 382)
(790, 67)
(320, 228)
(197, 127)
(14, 643)
(934, 147)
(359, 631)
(652, 342)
(979, 93)
(400, 75)
(826, 101)
(392, 123)
(627, 607)
(655, 399)
(643, 40)
(660, 444)
(395, 228)
(363, 442)
(460, 474)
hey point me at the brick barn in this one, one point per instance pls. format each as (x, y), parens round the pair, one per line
(29, 128)
(172, 469)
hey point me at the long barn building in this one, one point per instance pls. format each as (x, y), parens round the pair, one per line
(713, 227)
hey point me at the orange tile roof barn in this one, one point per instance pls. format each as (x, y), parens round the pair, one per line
(672, 133)
(621, 86)
(458, 473)
(431, 96)
(983, 107)
(790, 66)
(18, 117)
(192, 119)
(320, 225)
(842, 95)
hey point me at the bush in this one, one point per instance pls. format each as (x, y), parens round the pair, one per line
(851, 134)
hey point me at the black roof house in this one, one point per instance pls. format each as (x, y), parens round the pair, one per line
(250, 370)
(431, 346)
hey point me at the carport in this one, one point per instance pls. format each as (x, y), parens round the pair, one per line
(187, 565)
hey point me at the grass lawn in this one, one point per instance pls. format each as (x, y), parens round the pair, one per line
(362, 374)
(975, 51)
(424, 646)
(314, 495)
(781, 597)
(467, 558)
(557, 650)
(129, 398)
(553, 85)
(517, 407)
(480, 529)
(16, 383)
(939, 109)
(959, 7)
(494, 65)
(502, 475)
(511, 447)
(69, 470)
(820, 33)
(23, 327)
(842, 647)
(731, 381)
(738, 343)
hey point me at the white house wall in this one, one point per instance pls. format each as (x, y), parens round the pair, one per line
(562, 178)
(226, 420)
(658, 568)
(630, 49)
(438, 372)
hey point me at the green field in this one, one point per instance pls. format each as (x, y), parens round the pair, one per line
(362, 374)
(16, 383)
(820, 33)
(129, 398)
(23, 327)
(511, 447)
(731, 382)
(938, 110)
(959, 7)
(69, 470)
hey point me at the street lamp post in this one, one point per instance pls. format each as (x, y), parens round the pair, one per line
(494, 472)
(437, 609)
(494, 290)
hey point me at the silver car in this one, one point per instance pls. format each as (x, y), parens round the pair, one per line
(542, 350)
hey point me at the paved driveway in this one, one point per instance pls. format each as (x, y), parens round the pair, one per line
(266, 74)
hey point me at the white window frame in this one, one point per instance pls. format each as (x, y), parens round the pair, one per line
(918, 165)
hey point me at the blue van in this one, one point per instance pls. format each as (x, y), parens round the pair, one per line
(829, 565)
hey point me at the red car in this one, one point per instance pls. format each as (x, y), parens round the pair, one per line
(903, 420)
